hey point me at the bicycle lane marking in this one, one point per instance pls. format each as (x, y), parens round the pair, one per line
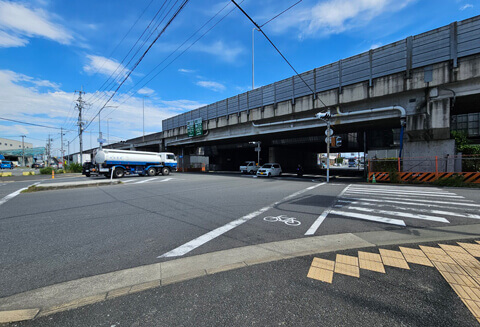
(14, 194)
(324, 214)
(199, 241)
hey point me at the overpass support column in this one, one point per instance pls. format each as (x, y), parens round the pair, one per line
(428, 131)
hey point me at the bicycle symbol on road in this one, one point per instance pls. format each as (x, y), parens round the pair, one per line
(290, 221)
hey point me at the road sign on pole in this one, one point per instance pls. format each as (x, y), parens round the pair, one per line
(328, 130)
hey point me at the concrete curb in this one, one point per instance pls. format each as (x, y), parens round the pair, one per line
(65, 185)
(76, 293)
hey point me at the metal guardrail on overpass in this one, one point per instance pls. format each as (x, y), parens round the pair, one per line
(459, 39)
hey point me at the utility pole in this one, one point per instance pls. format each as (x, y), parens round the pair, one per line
(80, 104)
(68, 156)
(61, 147)
(23, 150)
(49, 147)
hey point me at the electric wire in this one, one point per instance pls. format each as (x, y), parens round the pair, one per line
(281, 54)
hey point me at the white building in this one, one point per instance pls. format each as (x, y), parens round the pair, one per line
(7, 144)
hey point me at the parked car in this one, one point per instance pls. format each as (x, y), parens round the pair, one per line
(38, 164)
(270, 169)
(6, 164)
(250, 167)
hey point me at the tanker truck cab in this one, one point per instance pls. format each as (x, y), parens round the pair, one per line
(122, 162)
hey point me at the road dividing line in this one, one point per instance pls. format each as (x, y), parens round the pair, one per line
(312, 230)
(195, 243)
(166, 179)
(14, 194)
(369, 217)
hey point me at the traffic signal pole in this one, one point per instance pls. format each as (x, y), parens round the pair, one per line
(328, 150)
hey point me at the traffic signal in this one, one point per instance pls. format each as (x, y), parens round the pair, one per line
(335, 141)
(323, 115)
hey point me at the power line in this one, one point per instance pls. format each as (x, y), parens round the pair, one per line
(113, 76)
(141, 58)
(296, 3)
(281, 54)
(173, 60)
(31, 124)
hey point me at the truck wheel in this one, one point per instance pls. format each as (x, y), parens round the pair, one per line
(87, 175)
(118, 173)
(151, 171)
(165, 171)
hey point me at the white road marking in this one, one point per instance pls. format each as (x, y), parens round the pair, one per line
(401, 214)
(369, 217)
(166, 179)
(316, 224)
(146, 180)
(399, 194)
(435, 212)
(14, 194)
(412, 201)
(129, 180)
(195, 243)
(404, 191)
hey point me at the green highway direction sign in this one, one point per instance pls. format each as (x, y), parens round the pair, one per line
(195, 127)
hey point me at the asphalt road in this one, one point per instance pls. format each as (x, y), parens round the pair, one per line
(53, 236)
(280, 294)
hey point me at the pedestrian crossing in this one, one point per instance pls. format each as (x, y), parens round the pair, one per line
(402, 206)
(159, 179)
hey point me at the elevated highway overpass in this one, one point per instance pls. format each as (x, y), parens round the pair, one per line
(423, 83)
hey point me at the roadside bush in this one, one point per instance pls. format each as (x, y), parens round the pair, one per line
(454, 180)
(74, 168)
(46, 171)
(59, 171)
(384, 165)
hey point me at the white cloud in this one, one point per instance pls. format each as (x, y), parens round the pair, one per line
(8, 40)
(187, 71)
(145, 91)
(25, 98)
(466, 6)
(225, 52)
(214, 86)
(104, 66)
(334, 16)
(21, 23)
(375, 46)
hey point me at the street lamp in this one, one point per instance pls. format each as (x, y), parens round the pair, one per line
(253, 57)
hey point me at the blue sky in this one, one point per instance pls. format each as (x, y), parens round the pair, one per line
(50, 49)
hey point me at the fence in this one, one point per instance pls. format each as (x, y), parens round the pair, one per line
(425, 169)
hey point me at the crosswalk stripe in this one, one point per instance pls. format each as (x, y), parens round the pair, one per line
(404, 194)
(385, 220)
(412, 201)
(435, 212)
(146, 180)
(401, 214)
(398, 191)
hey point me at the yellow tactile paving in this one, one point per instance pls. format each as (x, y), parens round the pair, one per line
(473, 249)
(478, 242)
(323, 263)
(459, 279)
(468, 263)
(440, 258)
(394, 262)
(473, 306)
(415, 252)
(452, 268)
(369, 256)
(474, 272)
(345, 269)
(418, 260)
(391, 254)
(452, 248)
(468, 293)
(347, 259)
(371, 265)
(323, 275)
(430, 249)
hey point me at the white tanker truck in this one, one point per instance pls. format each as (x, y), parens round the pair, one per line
(123, 162)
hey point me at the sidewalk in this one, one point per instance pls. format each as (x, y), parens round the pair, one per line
(281, 293)
(85, 291)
